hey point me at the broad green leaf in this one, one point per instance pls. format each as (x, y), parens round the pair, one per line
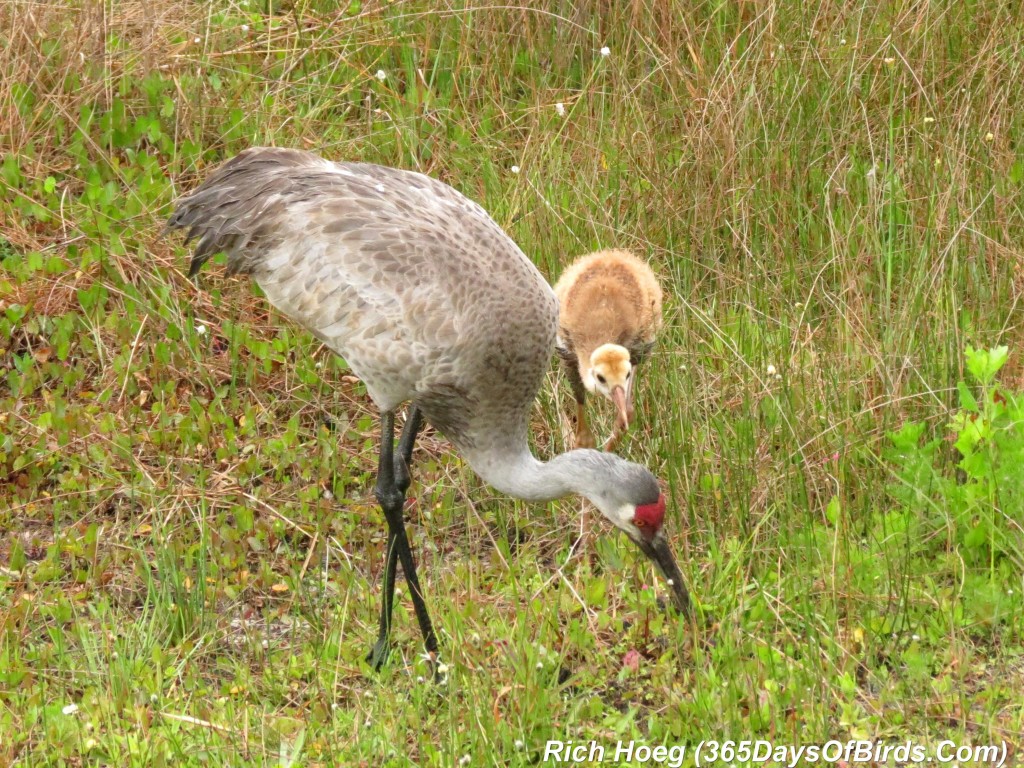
(966, 398)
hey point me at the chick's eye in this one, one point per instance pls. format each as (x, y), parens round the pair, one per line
(601, 379)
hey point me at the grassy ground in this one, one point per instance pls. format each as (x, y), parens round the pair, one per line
(191, 551)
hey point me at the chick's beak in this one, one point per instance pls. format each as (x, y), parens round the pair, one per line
(623, 406)
(658, 550)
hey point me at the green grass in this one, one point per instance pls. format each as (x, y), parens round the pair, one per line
(190, 545)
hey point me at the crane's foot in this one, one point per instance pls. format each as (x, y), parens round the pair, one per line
(378, 655)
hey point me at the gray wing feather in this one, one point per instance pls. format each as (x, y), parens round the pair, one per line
(240, 204)
(410, 281)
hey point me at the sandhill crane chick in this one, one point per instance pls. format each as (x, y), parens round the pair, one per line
(609, 315)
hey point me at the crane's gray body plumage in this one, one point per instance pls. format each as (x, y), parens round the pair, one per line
(412, 283)
(429, 302)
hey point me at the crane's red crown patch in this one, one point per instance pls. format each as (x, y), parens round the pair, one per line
(650, 515)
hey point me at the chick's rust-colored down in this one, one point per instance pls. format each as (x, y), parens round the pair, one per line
(609, 315)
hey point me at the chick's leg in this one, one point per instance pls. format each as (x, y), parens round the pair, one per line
(584, 437)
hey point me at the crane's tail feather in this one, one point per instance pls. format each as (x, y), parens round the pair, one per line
(237, 209)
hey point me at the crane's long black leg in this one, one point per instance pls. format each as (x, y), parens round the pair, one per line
(402, 461)
(392, 482)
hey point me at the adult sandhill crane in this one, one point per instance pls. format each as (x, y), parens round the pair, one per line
(609, 315)
(429, 302)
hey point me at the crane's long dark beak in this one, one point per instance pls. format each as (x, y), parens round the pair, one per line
(657, 549)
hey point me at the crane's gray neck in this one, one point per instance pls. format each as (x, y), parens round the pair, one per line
(584, 472)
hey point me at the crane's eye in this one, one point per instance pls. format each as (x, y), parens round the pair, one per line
(602, 379)
(639, 523)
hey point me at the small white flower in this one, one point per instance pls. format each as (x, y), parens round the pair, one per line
(200, 329)
(197, 39)
(540, 665)
(915, 637)
(514, 169)
(465, 760)
(842, 41)
(670, 582)
(382, 75)
(419, 678)
(929, 120)
(266, 643)
(771, 369)
(889, 60)
(778, 377)
(442, 668)
(334, 706)
(70, 709)
(989, 136)
(560, 109)
(328, 495)
(245, 27)
(519, 744)
(152, 698)
(606, 51)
